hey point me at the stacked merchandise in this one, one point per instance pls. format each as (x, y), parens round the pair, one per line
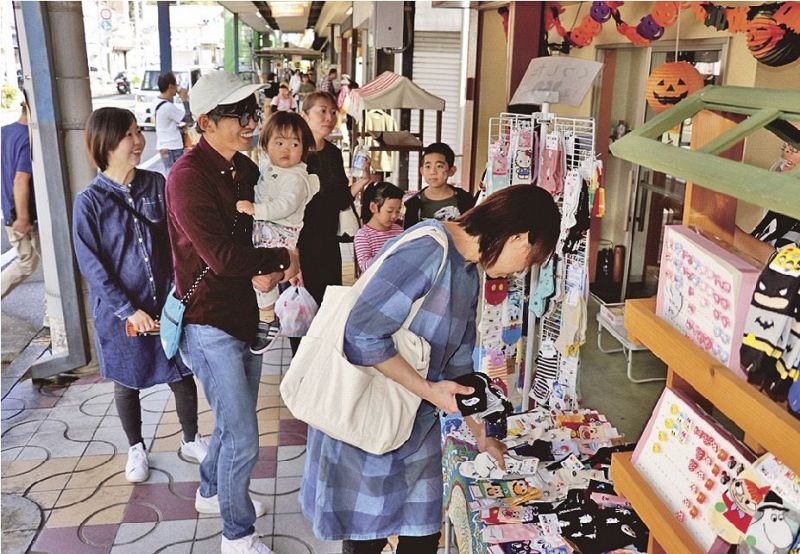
(709, 480)
(770, 351)
(556, 494)
(748, 320)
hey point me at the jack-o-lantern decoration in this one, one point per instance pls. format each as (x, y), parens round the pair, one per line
(788, 15)
(665, 13)
(763, 36)
(670, 83)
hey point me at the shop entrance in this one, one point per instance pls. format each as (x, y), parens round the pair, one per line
(643, 201)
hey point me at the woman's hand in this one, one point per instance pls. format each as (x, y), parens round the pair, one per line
(494, 448)
(297, 280)
(356, 186)
(142, 322)
(245, 207)
(442, 394)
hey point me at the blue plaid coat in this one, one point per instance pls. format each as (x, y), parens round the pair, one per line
(348, 493)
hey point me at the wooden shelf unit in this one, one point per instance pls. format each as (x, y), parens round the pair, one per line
(694, 372)
(767, 425)
(666, 532)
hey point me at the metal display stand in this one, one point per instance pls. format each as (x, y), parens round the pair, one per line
(579, 140)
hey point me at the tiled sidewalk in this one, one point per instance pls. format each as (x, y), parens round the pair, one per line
(64, 449)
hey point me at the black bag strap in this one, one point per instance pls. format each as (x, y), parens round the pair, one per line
(156, 110)
(136, 213)
(206, 268)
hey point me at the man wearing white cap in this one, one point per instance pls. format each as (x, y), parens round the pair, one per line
(215, 258)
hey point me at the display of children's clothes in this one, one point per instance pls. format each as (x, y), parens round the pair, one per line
(379, 121)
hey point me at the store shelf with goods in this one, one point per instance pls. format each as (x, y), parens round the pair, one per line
(693, 371)
(665, 530)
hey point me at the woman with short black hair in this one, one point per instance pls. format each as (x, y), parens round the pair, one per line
(363, 498)
(122, 246)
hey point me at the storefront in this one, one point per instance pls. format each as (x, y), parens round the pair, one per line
(675, 162)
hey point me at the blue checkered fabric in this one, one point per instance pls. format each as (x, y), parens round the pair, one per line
(347, 493)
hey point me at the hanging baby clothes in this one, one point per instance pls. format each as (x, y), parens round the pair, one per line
(379, 121)
(546, 372)
(553, 166)
(582, 221)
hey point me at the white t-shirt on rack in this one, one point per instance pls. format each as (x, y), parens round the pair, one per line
(167, 118)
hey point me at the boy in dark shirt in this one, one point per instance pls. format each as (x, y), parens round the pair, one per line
(438, 200)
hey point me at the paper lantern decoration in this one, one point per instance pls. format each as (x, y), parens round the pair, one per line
(788, 15)
(770, 39)
(672, 82)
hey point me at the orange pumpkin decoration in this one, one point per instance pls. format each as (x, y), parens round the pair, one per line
(665, 13)
(763, 36)
(788, 15)
(737, 18)
(671, 82)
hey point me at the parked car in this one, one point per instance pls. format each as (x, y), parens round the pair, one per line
(146, 95)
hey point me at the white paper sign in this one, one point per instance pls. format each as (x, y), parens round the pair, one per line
(570, 77)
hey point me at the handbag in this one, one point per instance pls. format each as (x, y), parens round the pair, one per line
(172, 317)
(356, 404)
(174, 307)
(348, 223)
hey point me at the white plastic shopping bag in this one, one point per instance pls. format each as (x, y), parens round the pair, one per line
(295, 309)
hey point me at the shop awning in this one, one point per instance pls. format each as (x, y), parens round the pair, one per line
(392, 91)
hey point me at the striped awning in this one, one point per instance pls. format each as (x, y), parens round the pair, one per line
(392, 91)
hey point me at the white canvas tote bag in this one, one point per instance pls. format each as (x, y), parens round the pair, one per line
(356, 404)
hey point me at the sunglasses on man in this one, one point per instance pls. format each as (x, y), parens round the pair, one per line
(243, 111)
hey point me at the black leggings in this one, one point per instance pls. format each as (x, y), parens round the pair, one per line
(428, 544)
(130, 409)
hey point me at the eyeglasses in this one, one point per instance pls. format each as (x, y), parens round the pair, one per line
(245, 117)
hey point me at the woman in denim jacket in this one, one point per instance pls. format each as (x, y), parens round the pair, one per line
(122, 247)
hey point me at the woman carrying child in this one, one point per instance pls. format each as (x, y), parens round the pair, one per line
(121, 243)
(283, 101)
(281, 194)
(380, 209)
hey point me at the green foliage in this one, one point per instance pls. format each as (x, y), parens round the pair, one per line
(7, 96)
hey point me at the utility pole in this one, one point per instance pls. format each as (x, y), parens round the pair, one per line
(164, 39)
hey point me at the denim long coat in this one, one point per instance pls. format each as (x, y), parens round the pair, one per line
(128, 266)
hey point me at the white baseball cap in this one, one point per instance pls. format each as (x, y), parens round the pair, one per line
(218, 87)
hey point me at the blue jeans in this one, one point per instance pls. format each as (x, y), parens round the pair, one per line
(230, 376)
(170, 159)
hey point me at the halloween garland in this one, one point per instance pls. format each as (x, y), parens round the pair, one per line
(773, 29)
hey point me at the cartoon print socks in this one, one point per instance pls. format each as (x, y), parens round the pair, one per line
(545, 288)
(770, 351)
(553, 167)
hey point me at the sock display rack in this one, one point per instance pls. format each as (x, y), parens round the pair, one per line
(692, 372)
(515, 146)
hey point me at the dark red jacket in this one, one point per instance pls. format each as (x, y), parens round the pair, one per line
(201, 208)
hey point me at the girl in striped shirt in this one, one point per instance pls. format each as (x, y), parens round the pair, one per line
(380, 208)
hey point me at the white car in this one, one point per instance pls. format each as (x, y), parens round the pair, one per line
(145, 97)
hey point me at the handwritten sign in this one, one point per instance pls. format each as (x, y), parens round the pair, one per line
(570, 77)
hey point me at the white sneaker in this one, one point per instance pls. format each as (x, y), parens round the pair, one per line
(138, 467)
(246, 545)
(210, 505)
(195, 450)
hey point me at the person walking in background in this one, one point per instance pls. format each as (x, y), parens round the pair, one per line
(212, 246)
(283, 102)
(123, 251)
(19, 207)
(306, 88)
(169, 120)
(326, 83)
(381, 204)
